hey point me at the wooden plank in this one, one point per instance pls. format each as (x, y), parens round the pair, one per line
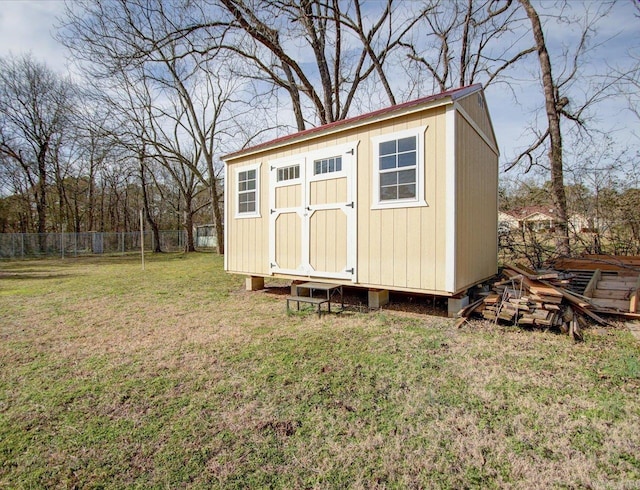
(592, 284)
(621, 259)
(602, 262)
(616, 285)
(541, 288)
(617, 304)
(582, 306)
(612, 294)
(635, 298)
(492, 299)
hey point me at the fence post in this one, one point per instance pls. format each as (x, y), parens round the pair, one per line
(62, 244)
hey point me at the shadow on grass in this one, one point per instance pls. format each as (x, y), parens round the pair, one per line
(30, 275)
(357, 300)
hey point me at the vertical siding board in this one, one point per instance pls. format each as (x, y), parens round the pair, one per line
(414, 247)
(341, 254)
(400, 247)
(477, 215)
(386, 247)
(331, 238)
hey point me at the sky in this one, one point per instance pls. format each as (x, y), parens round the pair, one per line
(30, 25)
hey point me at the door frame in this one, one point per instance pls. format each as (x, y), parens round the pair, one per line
(349, 153)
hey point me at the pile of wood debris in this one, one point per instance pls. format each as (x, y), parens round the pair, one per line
(549, 299)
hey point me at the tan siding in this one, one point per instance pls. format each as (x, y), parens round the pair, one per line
(328, 241)
(479, 114)
(476, 216)
(402, 248)
(328, 191)
(248, 237)
(288, 196)
(414, 246)
(288, 248)
(387, 261)
(400, 239)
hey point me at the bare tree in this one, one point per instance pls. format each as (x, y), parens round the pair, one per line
(34, 105)
(554, 106)
(562, 103)
(157, 50)
(461, 42)
(345, 50)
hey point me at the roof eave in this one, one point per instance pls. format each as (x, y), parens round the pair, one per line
(411, 107)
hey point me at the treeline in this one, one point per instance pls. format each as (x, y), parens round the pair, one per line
(163, 89)
(604, 219)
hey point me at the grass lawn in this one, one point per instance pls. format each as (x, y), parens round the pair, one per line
(176, 377)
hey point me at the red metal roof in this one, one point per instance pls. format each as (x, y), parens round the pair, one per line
(454, 94)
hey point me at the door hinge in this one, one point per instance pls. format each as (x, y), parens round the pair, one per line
(272, 265)
(350, 205)
(350, 152)
(350, 271)
(272, 211)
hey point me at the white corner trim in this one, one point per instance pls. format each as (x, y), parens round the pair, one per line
(226, 221)
(450, 199)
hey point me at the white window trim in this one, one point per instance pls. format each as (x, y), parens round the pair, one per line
(419, 200)
(295, 180)
(329, 152)
(236, 193)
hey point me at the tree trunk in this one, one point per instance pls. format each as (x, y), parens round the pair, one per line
(41, 198)
(553, 118)
(188, 223)
(218, 218)
(155, 231)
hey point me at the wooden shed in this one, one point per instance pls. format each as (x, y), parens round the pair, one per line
(400, 199)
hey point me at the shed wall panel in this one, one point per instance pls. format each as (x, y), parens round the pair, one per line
(477, 206)
(479, 113)
(248, 242)
(401, 247)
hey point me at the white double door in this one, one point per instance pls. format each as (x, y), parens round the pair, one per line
(312, 214)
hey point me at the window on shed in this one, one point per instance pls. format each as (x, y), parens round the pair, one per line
(289, 173)
(247, 185)
(398, 162)
(398, 169)
(327, 165)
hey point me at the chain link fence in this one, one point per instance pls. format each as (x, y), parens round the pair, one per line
(30, 245)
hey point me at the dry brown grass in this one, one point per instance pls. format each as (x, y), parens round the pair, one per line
(176, 377)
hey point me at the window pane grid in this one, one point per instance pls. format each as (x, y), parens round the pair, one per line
(327, 165)
(397, 169)
(289, 173)
(247, 191)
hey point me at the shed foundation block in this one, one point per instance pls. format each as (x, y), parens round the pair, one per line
(378, 298)
(456, 304)
(254, 283)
